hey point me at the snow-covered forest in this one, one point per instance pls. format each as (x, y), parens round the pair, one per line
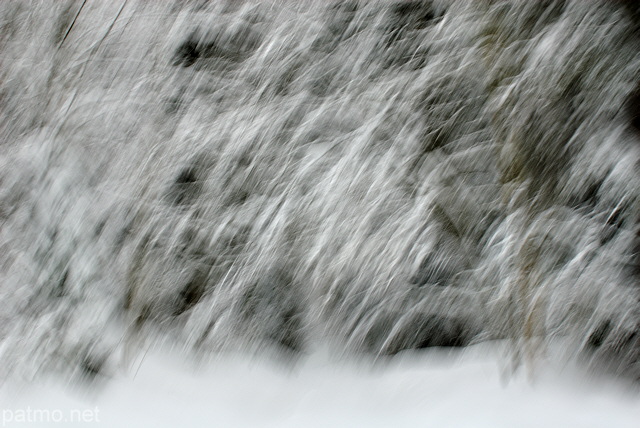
(276, 176)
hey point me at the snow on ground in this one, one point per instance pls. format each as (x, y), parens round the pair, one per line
(418, 389)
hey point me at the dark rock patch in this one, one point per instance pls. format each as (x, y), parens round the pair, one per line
(441, 331)
(191, 293)
(188, 183)
(62, 284)
(635, 258)
(92, 363)
(429, 330)
(406, 16)
(435, 270)
(587, 198)
(224, 47)
(290, 333)
(185, 187)
(92, 366)
(614, 223)
(338, 26)
(599, 334)
(633, 110)
(187, 53)
(632, 10)
(378, 331)
(273, 303)
(341, 15)
(401, 42)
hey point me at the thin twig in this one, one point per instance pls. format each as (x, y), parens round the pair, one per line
(72, 23)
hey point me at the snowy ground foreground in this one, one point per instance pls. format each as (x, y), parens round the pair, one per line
(417, 389)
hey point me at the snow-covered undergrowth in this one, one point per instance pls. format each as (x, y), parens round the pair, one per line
(381, 175)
